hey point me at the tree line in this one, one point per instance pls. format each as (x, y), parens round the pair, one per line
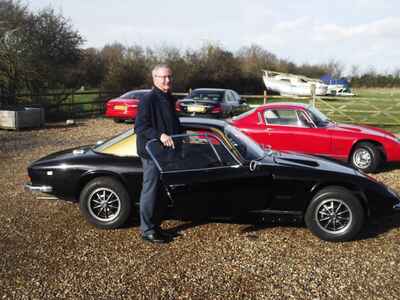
(41, 52)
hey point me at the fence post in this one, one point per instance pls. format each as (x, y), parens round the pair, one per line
(313, 88)
(265, 96)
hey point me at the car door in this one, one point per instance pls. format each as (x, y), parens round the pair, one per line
(204, 178)
(293, 130)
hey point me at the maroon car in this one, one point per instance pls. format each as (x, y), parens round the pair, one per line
(125, 107)
(303, 128)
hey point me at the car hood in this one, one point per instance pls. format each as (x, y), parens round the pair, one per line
(369, 130)
(305, 161)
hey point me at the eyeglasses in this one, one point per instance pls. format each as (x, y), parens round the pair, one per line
(164, 77)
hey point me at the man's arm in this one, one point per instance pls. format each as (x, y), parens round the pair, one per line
(143, 124)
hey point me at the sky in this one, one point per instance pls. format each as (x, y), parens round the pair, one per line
(352, 32)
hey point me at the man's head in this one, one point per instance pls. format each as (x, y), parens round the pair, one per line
(162, 77)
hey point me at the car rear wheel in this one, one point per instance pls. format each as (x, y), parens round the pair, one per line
(335, 214)
(105, 203)
(366, 157)
(116, 120)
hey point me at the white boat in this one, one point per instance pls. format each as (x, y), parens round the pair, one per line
(293, 85)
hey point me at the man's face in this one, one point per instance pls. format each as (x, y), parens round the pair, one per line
(163, 79)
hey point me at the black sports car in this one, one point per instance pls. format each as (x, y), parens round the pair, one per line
(215, 171)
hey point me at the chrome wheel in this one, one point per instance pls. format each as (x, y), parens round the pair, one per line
(362, 158)
(104, 204)
(333, 216)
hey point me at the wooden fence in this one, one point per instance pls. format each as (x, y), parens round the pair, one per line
(385, 112)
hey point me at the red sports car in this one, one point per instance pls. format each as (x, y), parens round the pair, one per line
(124, 107)
(303, 128)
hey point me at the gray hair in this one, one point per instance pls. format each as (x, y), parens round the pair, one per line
(158, 67)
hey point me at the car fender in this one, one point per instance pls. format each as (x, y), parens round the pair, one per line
(380, 146)
(357, 192)
(91, 174)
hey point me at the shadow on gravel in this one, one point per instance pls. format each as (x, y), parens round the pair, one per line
(372, 228)
(390, 167)
(376, 227)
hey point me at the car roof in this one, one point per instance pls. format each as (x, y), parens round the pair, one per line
(210, 90)
(292, 105)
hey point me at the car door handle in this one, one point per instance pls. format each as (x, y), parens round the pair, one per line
(269, 129)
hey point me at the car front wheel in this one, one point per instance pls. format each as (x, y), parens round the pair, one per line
(335, 214)
(105, 203)
(366, 157)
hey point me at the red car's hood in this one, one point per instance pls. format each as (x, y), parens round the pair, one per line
(364, 129)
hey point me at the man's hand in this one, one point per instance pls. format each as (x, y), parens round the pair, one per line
(167, 141)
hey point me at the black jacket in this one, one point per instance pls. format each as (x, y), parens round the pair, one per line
(156, 115)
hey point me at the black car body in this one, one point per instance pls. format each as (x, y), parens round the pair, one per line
(207, 102)
(215, 170)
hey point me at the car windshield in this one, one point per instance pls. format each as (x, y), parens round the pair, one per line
(247, 148)
(207, 95)
(318, 117)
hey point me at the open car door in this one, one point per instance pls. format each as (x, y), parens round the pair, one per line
(203, 177)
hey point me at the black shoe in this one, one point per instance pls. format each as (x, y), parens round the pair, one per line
(155, 238)
(167, 234)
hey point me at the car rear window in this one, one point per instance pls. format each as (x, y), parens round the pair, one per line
(133, 95)
(207, 95)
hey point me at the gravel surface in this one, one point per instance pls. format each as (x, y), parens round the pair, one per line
(48, 250)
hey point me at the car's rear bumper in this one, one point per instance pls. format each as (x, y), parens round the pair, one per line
(38, 188)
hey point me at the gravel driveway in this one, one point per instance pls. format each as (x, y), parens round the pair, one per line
(48, 251)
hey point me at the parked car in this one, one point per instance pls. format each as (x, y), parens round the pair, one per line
(125, 107)
(214, 103)
(215, 170)
(303, 128)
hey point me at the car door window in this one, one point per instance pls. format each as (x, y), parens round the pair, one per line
(236, 96)
(229, 96)
(303, 120)
(191, 152)
(282, 117)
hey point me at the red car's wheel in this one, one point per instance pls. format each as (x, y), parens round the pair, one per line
(366, 157)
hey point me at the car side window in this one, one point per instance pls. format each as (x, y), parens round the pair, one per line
(303, 120)
(236, 96)
(229, 96)
(191, 152)
(285, 117)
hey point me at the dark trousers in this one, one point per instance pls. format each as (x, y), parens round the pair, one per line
(151, 208)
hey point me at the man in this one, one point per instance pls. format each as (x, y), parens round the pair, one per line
(156, 119)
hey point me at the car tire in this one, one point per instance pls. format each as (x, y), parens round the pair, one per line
(366, 157)
(105, 203)
(335, 214)
(116, 120)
